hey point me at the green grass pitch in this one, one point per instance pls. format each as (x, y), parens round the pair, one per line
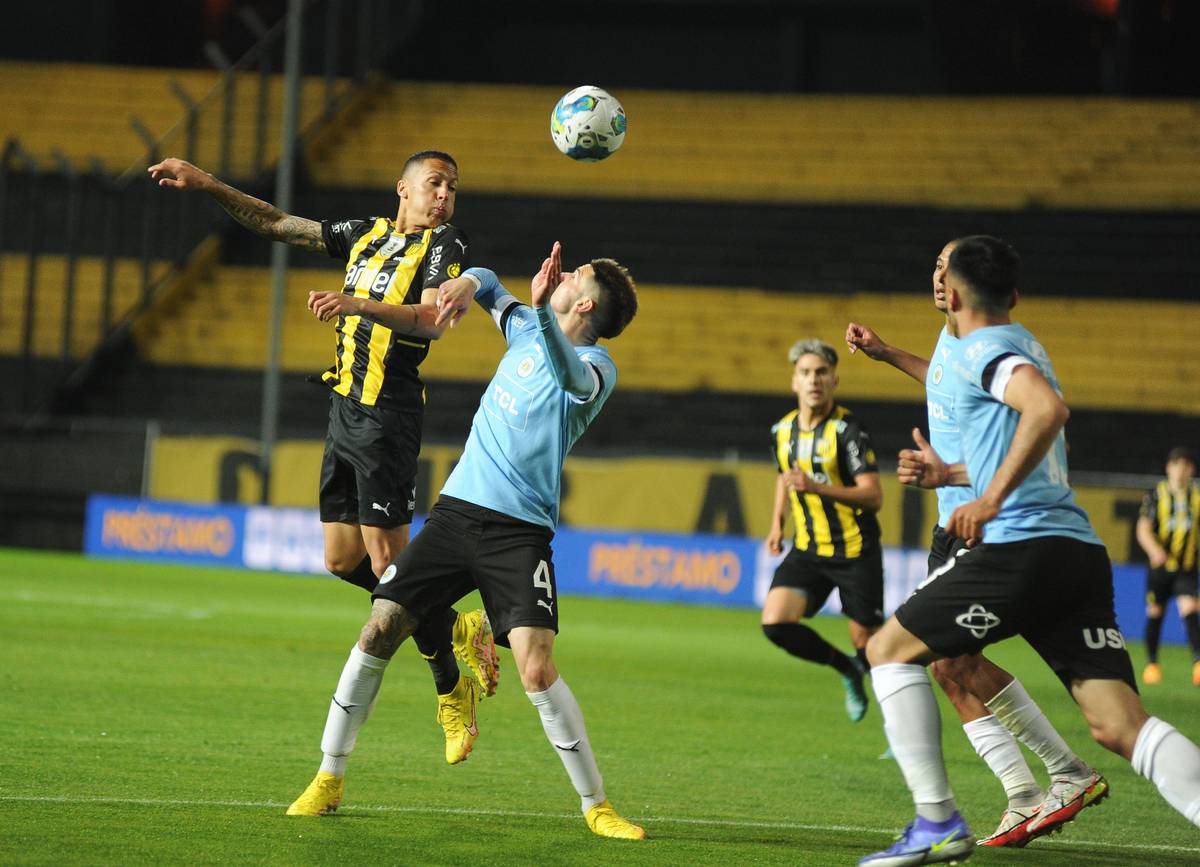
(167, 715)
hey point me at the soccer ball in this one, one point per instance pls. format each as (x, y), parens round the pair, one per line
(588, 124)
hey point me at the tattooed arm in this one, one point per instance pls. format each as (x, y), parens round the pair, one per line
(261, 218)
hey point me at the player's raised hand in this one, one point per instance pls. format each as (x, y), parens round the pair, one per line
(968, 520)
(328, 305)
(862, 337)
(922, 466)
(179, 174)
(454, 300)
(547, 279)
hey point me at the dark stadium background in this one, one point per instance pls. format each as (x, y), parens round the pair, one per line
(75, 426)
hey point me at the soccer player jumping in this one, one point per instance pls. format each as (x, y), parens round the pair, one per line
(492, 526)
(1035, 568)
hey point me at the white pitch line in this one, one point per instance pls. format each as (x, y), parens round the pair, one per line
(465, 811)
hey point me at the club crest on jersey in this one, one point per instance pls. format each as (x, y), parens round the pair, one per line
(526, 366)
(390, 247)
(454, 270)
(937, 374)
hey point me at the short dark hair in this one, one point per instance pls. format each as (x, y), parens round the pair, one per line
(989, 267)
(1181, 453)
(421, 156)
(618, 302)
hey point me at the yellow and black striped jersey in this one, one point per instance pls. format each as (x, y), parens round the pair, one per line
(375, 366)
(1174, 517)
(834, 452)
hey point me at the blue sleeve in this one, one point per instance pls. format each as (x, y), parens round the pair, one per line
(571, 374)
(497, 301)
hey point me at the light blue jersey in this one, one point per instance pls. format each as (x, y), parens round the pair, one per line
(526, 421)
(944, 435)
(980, 368)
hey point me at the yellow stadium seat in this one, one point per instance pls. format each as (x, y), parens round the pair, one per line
(684, 340)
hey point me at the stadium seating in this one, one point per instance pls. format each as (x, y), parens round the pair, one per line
(50, 301)
(941, 151)
(727, 340)
(84, 111)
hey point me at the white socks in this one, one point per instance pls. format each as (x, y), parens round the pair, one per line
(914, 731)
(1169, 760)
(1018, 713)
(999, 749)
(563, 722)
(352, 704)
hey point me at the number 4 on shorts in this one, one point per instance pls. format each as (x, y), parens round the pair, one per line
(541, 578)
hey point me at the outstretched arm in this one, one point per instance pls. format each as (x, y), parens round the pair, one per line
(873, 346)
(261, 218)
(571, 374)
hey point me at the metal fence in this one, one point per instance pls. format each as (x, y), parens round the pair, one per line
(63, 219)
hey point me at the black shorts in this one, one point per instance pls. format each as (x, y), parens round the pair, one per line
(1161, 585)
(859, 582)
(464, 547)
(369, 469)
(942, 547)
(1055, 592)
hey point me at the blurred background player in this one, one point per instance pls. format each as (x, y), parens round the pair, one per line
(1035, 568)
(991, 720)
(1166, 530)
(492, 526)
(827, 473)
(386, 316)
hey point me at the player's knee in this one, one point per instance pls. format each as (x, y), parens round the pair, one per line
(879, 649)
(538, 674)
(339, 566)
(386, 630)
(1154, 612)
(380, 562)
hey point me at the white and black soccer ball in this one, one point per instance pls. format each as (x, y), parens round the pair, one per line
(588, 124)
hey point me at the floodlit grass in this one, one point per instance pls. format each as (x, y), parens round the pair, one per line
(164, 714)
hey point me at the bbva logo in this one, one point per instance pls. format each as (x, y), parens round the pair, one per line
(1097, 638)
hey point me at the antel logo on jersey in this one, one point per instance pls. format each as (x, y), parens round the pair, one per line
(977, 620)
(1099, 638)
(526, 366)
(937, 374)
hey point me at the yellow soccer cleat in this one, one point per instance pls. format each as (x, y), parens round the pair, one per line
(1196, 673)
(456, 714)
(474, 645)
(606, 822)
(1152, 673)
(322, 796)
